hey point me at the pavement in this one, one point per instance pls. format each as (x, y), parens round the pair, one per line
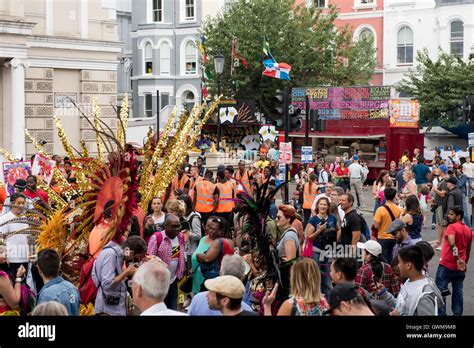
(428, 234)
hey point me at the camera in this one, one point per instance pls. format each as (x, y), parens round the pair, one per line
(112, 300)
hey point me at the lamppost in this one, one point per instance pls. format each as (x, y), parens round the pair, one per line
(219, 67)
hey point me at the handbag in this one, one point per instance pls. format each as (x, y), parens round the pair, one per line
(307, 249)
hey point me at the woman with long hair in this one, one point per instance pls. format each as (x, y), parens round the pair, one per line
(10, 288)
(219, 245)
(322, 230)
(378, 188)
(155, 220)
(375, 271)
(310, 191)
(413, 217)
(306, 298)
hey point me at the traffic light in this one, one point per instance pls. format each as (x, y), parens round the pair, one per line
(296, 121)
(278, 110)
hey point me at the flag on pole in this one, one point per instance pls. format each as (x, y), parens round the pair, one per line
(236, 57)
(266, 49)
(202, 49)
(276, 70)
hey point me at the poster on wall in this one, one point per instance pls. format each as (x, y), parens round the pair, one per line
(344, 103)
(13, 171)
(404, 113)
(43, 167)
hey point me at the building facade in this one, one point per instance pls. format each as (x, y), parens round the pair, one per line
(52, 51)
(364, 18)
(165, 54)
(411, 26)
(125, 66)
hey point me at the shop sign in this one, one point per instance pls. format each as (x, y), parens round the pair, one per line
(404, 113)
(281, 172)
(344, 103)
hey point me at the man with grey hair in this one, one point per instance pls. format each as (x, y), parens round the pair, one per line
(150, 286)
(233, 265)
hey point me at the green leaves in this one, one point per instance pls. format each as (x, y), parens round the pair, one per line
(318, 52)
(440, 86)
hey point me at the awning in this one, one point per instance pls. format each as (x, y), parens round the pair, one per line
(338, 136)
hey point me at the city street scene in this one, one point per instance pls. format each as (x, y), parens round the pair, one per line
(237, 158)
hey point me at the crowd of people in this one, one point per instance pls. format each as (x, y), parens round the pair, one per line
(190, 253)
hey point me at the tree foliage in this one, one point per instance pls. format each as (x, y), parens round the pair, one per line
(305, 38)
(440, 86)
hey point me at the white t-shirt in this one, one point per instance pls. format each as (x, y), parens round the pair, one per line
(17, 245)
(159, 222)
(468, 169)
(174, 258)
(355, 171)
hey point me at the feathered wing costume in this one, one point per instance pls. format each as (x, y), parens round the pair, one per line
(256, 211)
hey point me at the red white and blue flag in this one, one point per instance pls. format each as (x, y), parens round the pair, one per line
(276, 70)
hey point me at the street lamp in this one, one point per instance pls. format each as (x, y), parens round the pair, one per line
(219, 67)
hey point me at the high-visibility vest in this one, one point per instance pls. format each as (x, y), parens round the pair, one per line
(205, 196)
(178, 184)
(192, 186)
(226, 204)
(308, 197)
(245, 179)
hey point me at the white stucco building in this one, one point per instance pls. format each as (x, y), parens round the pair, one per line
(52, 50)
(411, 25)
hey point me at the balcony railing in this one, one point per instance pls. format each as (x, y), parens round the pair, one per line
(453, 2)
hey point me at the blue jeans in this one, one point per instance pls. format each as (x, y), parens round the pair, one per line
(273, 210)
(387, 249)
(171, 300)
(444, 276)
(467, 218)
(469, 189)
(324, 264)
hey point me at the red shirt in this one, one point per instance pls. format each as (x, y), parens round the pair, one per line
(463, 237)
(340, 171)
(38, 194)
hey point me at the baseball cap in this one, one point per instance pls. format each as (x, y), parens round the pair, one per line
(371, 246)
(395, 226)
(342, 292)
(355, 158)
(227, 285)
(452, 180)
(444, 168)
(20, 184)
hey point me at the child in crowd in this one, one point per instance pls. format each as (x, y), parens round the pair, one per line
(424, 197)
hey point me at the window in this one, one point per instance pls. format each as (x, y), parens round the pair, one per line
(189, 100)
(316, 3)
(157, 10)
(405, 46)
(189, 10)
(164, 100)
(457, 38)
(364, 3)
(165, 58)
(148, 59)
(191, 58)
(148, 105)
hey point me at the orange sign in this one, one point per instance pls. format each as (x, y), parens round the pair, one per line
(404, 113)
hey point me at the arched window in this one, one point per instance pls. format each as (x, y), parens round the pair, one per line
(165, 53)
(405, 46)
(148, 59)
(189, 100)
(191, 58)
(457, 38)
(366, 34)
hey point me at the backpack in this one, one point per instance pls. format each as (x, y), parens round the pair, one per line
(364, 229)
(87, 288)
